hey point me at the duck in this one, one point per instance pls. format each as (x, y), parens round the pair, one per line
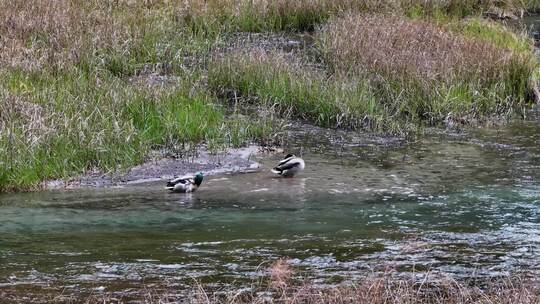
(185, 184)
(289, 166)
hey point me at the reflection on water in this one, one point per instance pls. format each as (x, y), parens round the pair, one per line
(465, 204)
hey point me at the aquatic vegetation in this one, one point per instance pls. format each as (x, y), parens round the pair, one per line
(281, 285)
(381, 288)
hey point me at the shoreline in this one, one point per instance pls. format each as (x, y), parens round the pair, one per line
(233, 160)
(281, 283)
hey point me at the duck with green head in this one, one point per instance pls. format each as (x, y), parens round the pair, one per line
(185, 184)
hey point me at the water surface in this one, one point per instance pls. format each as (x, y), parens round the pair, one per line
(460, 204)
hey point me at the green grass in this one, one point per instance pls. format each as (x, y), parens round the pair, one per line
(494, 33)
(87, 121)
(301, 95)
(532, 6)
(215, 17)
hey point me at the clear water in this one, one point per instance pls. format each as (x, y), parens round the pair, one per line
(462, 204)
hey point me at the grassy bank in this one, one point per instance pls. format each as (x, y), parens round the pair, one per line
(274, 80)
(386, 73)
(424, 72)
(96, 85)
(54, 127)
(91, 87)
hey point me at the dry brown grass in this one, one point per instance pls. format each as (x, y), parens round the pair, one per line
(55, 34)
(406, 48)
(44, 34)
(266, 8)
(380, 289)
(281, 286)
(30, 117)
(280, 274)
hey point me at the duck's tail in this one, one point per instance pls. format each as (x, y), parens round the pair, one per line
(276, 171)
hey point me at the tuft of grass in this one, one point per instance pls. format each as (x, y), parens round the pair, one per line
(210, 17)
(494, 33)
(425, 72)
(274, 81)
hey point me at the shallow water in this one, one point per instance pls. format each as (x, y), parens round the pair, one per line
(531, 24)
(460, 204)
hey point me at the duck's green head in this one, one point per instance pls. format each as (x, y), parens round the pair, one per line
(198, 179)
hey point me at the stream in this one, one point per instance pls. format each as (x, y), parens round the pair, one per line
(460, 204)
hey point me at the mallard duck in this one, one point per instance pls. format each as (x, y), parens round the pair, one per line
(289, 166)
(184, 184)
